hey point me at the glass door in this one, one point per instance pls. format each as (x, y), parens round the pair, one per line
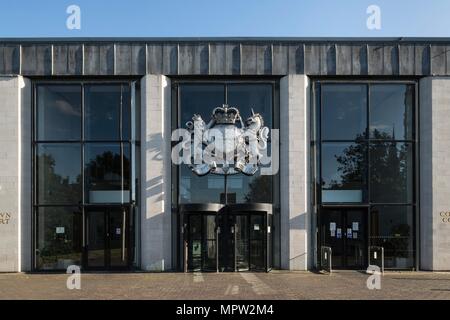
(258, 250)
(344, 230)
(241, 228)
(118, 234)
(96, 240)
(201, 242)
(107, 238)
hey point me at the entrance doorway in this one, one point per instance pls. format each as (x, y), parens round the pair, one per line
(226, 238)
(345, 231)
(107, 238)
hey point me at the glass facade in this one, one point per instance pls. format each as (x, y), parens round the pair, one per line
(202, 99)
(85, 136)
(242, 242)
(365, 156)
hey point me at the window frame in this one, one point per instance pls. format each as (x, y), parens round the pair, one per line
(316, 161)
(175, 174)
(133, 139)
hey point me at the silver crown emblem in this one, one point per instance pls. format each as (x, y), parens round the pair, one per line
(226, 115)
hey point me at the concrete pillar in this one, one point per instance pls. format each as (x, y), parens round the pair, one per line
(296, 253)
(156, 246)
(434, 173)
(15, 174)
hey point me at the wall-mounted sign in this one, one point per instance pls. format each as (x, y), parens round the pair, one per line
(5, 217)
(445, 216)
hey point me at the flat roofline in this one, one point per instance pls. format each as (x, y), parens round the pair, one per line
(226, 39)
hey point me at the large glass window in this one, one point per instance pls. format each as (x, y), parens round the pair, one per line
(104, 105)
(72, 151)
(58, 112)
(391, 112)
(201, 99)
(59, 237)
(366, 148)
(391, 172)
(343, 172)
(392, 227)
(59, 173)
(344, 112)
(107, 172)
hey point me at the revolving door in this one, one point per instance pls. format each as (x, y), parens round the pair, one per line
(225, 238)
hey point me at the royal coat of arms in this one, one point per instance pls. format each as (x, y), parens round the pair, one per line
(232, 145)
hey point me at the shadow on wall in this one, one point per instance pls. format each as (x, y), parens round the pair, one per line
(154, 186)
(156, 220)
(298, 222)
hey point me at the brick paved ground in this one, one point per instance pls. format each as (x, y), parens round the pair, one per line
(274, 285)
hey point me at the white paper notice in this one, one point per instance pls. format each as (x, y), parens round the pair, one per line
(60, 230)
(355, 226)
(338, 232)
(333, 233)
(332, 226)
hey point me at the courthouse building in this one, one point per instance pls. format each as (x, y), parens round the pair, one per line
(86, 176)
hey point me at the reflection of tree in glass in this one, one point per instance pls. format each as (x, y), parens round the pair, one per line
(389, 170)
(260, 190)
(351, 166)
(54, 187)
(56, 246)
(105, 171)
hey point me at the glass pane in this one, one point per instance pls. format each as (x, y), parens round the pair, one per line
(257, 226)
(209, 256)
(195, 241)
(391, 111)
(344, 111)
(392, 228)
(332, 233)
(102, 112)
(252, 96)
(58, 173)
(199, 99)
(242, 242)
(58, 238)
(195, 189)
(104, 174)
(118, 234)
(343, 172)
(96, 239)
(391, 173)
(126, 112)
(59, 112)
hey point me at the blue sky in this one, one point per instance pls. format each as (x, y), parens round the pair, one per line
(216, 18)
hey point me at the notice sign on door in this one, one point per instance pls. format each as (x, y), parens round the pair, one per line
(355, 226)
(332, 226)
(60, 230)
(339, 233)
(118, 231)
(349, 233)
(256, 227)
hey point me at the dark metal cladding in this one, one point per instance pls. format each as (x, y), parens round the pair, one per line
(67, 59)
(225, 56)
(9, 59)
(36, 59)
